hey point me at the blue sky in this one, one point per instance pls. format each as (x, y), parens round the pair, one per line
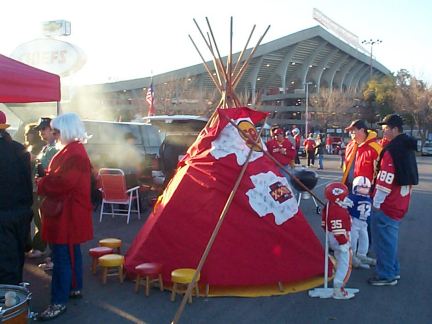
(131, 38)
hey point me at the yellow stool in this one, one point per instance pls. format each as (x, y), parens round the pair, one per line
(110, 261)
(113, 243)
(180, 279)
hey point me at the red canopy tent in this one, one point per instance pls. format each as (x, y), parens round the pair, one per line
(21, 83)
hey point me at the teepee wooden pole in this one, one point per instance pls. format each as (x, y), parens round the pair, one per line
(280, 165)
(246, 63)
(217, 49)
(216, 83)
(243, 51)
(216, 230)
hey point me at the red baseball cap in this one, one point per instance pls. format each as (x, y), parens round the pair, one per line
(3, 124)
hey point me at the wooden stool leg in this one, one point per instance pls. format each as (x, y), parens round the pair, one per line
(190, 297)
(280, 286)
(173, 293)
(121, 273)
(94, 264)
(147, 285)
(104, 275)
(160, 282)
(137, 284)
(197, 289)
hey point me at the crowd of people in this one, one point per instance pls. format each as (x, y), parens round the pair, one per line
(369, 202)
(47, 181)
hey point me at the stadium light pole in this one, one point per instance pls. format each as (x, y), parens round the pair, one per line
(307, 109)
(371, 42)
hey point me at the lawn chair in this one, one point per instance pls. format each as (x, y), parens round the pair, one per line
(114, 192)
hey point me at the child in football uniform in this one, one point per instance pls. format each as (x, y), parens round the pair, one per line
(360, 212)
(336, 218)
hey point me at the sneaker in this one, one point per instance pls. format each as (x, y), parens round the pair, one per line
(75, 294)
(367, 260)
(397, 277)
(382, 282)
(47, 266)
(341, 293)
(53, 311)
(359, 264)
(34, 254)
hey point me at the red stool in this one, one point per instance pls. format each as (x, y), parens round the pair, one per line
(152, 272)
(97, 252)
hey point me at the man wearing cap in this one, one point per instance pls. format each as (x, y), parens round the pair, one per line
(281, 148)
(397, 173)
(15, 205)
(50, 137)
(361, 153)
(42, 161)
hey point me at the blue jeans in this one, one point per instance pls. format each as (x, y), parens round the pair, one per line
(385, 236)
(62, 276)
(320, 160)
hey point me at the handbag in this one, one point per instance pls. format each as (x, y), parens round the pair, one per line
(51, 207)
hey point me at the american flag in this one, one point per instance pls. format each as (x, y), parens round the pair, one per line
(150, 100)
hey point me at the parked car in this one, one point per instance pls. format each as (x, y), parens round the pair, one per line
(107, 142)
(426, 149)
(178, 133)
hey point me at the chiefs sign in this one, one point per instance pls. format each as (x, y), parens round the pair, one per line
(51, 55)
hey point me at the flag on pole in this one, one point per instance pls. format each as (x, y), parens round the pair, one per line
(150, 100)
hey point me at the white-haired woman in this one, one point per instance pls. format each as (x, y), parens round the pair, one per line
(67, 213)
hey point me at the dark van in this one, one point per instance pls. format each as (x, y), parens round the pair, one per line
(107, 141)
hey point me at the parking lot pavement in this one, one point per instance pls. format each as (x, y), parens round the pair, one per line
(118, 303)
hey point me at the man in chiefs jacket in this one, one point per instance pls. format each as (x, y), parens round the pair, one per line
(281, 149)
(393, 185)
(361, 153)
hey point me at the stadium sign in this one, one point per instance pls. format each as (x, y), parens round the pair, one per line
(51, 55)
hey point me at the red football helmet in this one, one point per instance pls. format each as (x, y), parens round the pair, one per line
(336, 191)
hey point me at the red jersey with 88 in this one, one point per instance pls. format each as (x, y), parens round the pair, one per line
(397, 201)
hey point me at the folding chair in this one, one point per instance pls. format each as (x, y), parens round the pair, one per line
(114, 192)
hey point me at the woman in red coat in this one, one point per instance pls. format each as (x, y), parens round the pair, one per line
(67, 185)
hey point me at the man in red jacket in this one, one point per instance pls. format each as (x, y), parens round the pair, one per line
(361, 153)
(281, 148)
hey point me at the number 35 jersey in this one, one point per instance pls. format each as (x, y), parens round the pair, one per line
(338, 222)
(361, 207)
(397, 201)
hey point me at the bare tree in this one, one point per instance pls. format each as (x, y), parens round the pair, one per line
(333, 107)
(413, 100)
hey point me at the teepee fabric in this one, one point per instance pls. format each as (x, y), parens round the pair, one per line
(264, 238)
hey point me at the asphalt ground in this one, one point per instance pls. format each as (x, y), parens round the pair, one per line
(407, 302)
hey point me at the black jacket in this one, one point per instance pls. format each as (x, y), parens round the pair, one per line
(16, 189)
(402, 150)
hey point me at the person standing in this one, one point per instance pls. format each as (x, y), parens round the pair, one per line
(297, 140)
(319, 151)
(309, 145)
(15, 205)
(281, 149)
(328, 144)
(42, 161)
(361, 153)
(337, 221)
(393, 185)
(67, 186)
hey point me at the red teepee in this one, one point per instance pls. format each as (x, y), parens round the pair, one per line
(264, 238)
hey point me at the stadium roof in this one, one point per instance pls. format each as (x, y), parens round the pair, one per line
(311, 55)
